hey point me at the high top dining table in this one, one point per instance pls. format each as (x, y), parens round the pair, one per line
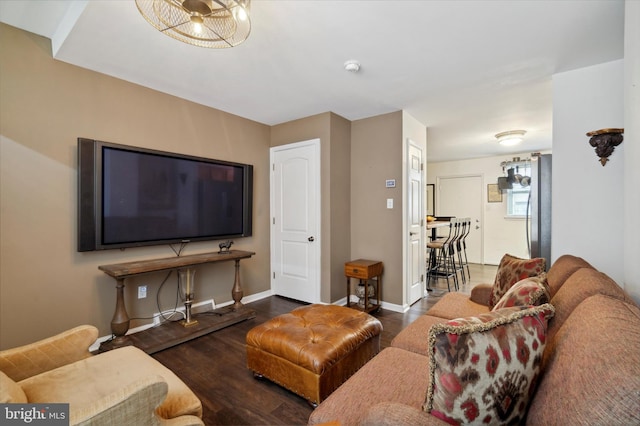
(433, 226)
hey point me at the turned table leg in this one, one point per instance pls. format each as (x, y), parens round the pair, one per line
(120, 321)
(237, 292)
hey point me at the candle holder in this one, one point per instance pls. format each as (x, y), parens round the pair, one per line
(187, 287)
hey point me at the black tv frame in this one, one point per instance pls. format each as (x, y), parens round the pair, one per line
(90, 187)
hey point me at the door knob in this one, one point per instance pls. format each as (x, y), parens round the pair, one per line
(412, 233)
(311, 239)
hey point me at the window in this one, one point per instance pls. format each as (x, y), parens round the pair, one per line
(518, 196)
(518, 201)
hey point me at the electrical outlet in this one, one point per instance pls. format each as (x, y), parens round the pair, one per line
(142, 291)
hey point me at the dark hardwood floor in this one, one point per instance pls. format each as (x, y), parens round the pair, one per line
(214, 366)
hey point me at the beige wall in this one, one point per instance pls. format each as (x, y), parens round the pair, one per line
(376, 232)
(357, 158)
(341, 201)
(45, 105)
(334, 134)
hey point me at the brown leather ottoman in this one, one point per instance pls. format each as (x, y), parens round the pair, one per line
(313, 349)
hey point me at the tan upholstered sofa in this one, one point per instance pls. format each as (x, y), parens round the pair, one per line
(590, 367)
(124, 386)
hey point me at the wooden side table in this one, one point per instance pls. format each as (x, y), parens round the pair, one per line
(364, 270)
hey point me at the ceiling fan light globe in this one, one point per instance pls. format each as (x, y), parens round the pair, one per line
(203, 23)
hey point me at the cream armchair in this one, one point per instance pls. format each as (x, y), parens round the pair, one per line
(124, 386)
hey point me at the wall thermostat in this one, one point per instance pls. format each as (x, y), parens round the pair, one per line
(390, 183)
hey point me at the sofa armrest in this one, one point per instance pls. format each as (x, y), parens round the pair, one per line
(44, 355)
(480, 293)
(134, 404)
(395, 413)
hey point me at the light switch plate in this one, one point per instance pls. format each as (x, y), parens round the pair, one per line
(389, 203)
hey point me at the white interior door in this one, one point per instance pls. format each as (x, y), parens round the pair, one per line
(415, 220)
(461, 196)
(295, 221)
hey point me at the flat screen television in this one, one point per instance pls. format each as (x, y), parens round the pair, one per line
(130, 197)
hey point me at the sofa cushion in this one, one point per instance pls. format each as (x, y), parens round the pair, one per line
(397, 414)
(480, 293)
(528, 292)
(562, 269)
(484, 369)
(10, 391)
(511, 270)
(457, 305)
(83, 382)
(390, 376)
(583, 283)
(34, 358)
(414, 337)
(593, 372)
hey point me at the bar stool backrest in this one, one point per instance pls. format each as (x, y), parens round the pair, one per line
(454, 234)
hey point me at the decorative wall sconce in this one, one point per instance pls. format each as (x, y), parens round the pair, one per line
(605, 141)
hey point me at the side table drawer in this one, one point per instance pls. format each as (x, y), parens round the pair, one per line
(363, 269)
(356, 272)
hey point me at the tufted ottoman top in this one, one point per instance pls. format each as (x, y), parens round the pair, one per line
(315, 336)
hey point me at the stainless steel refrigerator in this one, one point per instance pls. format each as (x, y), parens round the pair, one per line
(540, 193)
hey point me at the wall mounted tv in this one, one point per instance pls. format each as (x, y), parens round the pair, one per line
(129, 197)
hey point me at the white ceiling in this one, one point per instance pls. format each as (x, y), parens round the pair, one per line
(465, 69)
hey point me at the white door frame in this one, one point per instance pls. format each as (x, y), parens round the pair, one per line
(406, 225)
(315, 269)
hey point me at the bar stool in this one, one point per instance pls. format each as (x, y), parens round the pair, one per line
(440, 261)
(458, 243)
(467, 221)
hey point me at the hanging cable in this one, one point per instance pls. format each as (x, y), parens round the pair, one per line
(175, 308)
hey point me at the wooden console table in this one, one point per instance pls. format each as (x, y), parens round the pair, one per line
(120, 322)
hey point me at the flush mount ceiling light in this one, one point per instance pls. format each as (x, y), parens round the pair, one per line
(215, 24)
(512, 137)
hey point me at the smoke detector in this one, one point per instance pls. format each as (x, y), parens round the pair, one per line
(352, 66)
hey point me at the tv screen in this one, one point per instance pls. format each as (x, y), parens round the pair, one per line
(132, 197)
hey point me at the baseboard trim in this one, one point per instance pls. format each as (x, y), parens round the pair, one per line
(384, 305)
(156, 316)
(248, 299)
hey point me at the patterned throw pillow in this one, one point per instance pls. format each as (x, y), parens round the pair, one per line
(484, 369)
(511, 270)
(530, 291)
